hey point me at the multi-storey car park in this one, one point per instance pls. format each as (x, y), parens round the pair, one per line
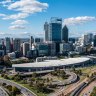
(52, 64)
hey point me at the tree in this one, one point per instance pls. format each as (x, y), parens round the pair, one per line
(34, 74)
(9, 87)
(32, 79)
(17, 78)
(47, 79)
(2, 75)
(3, 84)
(6, 58)
(5, 76)
(31, 83)
(15, 90)
(73, 69)
(40, 86)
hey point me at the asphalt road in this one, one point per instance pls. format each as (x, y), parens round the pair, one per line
(3, 92)
(24, 90)
(88, 90)
(71, 79)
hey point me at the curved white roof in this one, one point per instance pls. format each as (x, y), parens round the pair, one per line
(50, 63)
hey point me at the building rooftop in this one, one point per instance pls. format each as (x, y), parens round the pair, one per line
(52, 63)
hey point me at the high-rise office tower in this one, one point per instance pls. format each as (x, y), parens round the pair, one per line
(8, 45)
(2, 50)
(55, 29)
(87, 39)
(2, 46)
(31, 42)
(2, 42)
(90, 36)
(55, 32)
(25, 48)
(11, 40)
(94, 40)
(46, 29)
(65, 34)
(16, 44)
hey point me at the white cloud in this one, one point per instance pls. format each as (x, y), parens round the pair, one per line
(16, 27)
(28, 6)
(2, 15)
(24, 8)
(19, 22)
(16, 16)
(5, 3)
(78, 20)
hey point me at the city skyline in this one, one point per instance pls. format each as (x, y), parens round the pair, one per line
(22, 17)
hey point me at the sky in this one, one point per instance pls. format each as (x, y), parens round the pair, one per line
(22, 18)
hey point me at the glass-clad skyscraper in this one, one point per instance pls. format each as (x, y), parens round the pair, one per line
(8, 44)
(46, 28)
(55, 29)
(65, 34)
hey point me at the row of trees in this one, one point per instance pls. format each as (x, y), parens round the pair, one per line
(38, 83)
(20, 61)
(6, 61)
(78, 72)
(12, 90)
(60, 73)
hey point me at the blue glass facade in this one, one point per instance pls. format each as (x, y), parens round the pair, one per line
(42, 49)
(55, 30)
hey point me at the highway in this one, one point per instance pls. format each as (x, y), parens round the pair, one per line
(65, 91)
(3, 92)
(88, 90)
(77, 91)
(24, 90)
(86, 87)
(70, 80)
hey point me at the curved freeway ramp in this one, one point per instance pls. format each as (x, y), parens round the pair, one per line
(3, 92)
(73, 78)
(24, 91)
